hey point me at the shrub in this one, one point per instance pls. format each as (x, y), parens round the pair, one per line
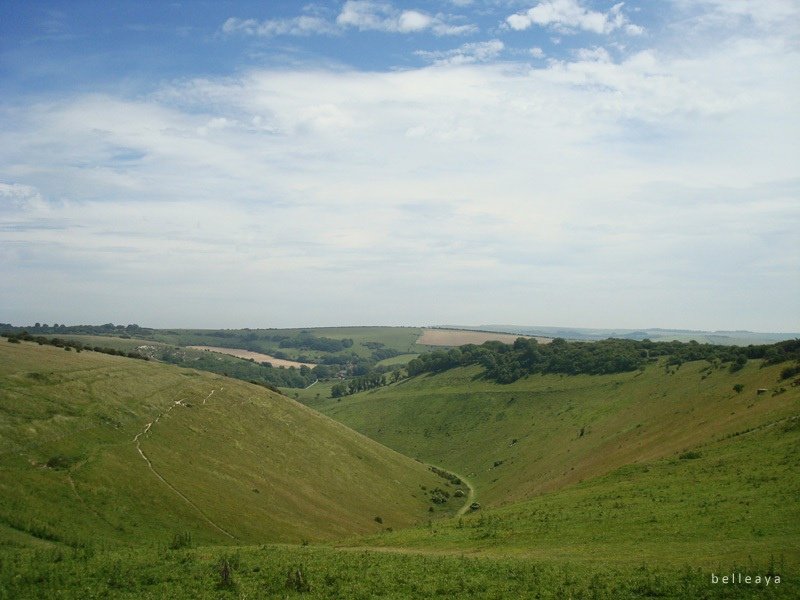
(59, 462)
(296, 580)
(181, 540)
(225, 574)
(790, 372)
(690, 455)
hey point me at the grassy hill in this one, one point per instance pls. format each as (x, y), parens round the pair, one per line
(105, 449)
(667, 466)
(732, 501)
(544, 432)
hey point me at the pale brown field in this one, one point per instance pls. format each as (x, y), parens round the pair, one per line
(459, 337)
(257, 356)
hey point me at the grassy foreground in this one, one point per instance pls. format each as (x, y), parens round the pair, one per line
(316, 572)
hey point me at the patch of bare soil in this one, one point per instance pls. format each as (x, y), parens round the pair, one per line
(256, 356)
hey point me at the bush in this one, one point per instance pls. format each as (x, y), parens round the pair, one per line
(59, 462)
(181, 540)
(296, 580)
(790, 372)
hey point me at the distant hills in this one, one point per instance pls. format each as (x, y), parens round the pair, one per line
(734, 338)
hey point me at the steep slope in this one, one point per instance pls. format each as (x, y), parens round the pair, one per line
(732, 502)
(97, 447)
(546, 432)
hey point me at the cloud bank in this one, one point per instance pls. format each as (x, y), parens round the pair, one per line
(599, 188)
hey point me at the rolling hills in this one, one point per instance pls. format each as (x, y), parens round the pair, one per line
(131, 479)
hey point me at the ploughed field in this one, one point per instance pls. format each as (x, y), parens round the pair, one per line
(256, 356)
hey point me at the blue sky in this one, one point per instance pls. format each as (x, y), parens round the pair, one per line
(558, 162)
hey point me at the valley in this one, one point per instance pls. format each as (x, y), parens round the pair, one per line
(619, 485)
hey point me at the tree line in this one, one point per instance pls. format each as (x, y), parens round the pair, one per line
(505, 363)
(16, 338)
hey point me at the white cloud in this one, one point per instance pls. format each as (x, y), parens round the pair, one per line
(364, 15)
(537, 52)
(465, 54)
(302, 25)
(763, 14)
(17, 196)
(369, 15)
(596, 54)
(569, 15)
(277, 193)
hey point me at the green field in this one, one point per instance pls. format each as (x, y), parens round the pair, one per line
(401, 359)
(313, 396)
(399, 339)
(631, 485)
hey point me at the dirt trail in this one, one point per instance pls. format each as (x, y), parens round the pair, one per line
(470, 494)
(137, 441)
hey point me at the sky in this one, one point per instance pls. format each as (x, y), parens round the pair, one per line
(578, 163)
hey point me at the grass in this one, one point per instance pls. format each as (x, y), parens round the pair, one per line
(241, 460)
(127, 344)
(737, 501)
(400, 359)
(520, 440)
(400, 339)
(271, 571)
(623, 486)
(313, 396)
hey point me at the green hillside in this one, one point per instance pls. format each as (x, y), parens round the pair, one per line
(98, 448)
(667, 466)
(544, 432)
(733, 501)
